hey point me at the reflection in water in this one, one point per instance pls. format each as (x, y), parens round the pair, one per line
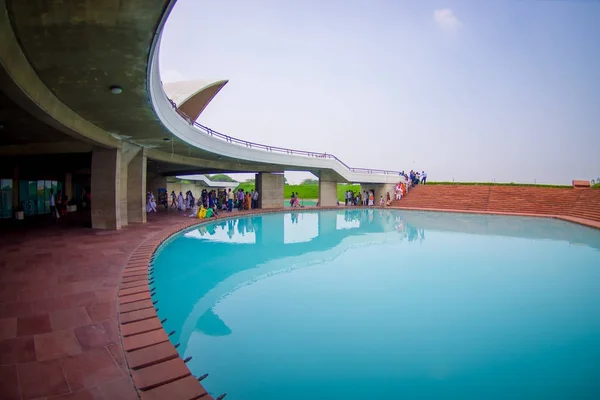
(204, 276)
(300, 227)
(210, 324)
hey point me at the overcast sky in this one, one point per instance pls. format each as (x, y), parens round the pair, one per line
(470, 90)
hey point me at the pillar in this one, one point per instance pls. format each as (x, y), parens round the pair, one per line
(136, 188)
(270, 190)
(327, 193)
(128, 153)
(68, 189)
(106, 188)
(123, 192)
(381, 189)
(15, 188)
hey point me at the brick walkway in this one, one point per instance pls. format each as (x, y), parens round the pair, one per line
(59, 336)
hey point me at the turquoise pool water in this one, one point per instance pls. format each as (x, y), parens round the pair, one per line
(371, 304)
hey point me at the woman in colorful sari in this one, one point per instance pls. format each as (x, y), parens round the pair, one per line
(247, 201)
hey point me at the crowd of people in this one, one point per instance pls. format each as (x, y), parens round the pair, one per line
(228, 199)
(413, 178)
(366, 198)
(209, 203)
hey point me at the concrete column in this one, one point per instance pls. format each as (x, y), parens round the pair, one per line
(15, 188)
(327, 193)
(123, 191)
(380, 189)
(136, 188)
(68, 189)
(106, 188)
(270, 190)
(128, 152)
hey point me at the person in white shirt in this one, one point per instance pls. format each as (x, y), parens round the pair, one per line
(255, 199)
(53, 209)
(423, 177)
(180, 202)
(150, 203)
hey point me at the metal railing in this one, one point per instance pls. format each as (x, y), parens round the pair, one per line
(252, 145)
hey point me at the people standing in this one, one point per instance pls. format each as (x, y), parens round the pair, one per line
(180, 202)
(255, 199)
(53, 209)
(173, 199)
(230, 201)
(423, 177)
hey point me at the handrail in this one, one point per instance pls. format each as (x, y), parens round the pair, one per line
(241, 142)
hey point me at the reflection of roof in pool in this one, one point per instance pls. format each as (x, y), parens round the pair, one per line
(499, 225)
(210, 324)
(228, 259)
(204, 305)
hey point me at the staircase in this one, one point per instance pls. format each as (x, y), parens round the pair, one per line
(579, 203)
(532, 200)
(446, 197)
(587, 205)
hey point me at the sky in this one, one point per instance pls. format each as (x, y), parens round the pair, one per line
(505, 91)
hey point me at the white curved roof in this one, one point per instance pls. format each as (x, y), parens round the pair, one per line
(192, 97)
(183, 91)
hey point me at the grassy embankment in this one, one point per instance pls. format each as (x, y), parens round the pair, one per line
(500, 184)
(305, 191)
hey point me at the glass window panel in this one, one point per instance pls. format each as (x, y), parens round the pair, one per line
(6, 198)
(41, 197)
(31, 205)
(48, 185)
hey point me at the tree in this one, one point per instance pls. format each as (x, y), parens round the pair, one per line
(220, 178)
(310, 182)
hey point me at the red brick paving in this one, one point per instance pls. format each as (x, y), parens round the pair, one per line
(62, 293)
(59, 333)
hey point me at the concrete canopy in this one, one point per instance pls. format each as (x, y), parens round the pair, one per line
(66, 55)
(192, 97)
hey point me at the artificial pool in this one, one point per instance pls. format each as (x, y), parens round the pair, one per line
(374, 304)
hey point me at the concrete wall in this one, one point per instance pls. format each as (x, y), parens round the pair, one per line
(155, 182)
(270, 190)
(327, 193)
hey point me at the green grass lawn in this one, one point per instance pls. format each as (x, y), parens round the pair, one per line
(311, 191)
(306, 191)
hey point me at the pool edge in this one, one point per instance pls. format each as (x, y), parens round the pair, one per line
(154, 364)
